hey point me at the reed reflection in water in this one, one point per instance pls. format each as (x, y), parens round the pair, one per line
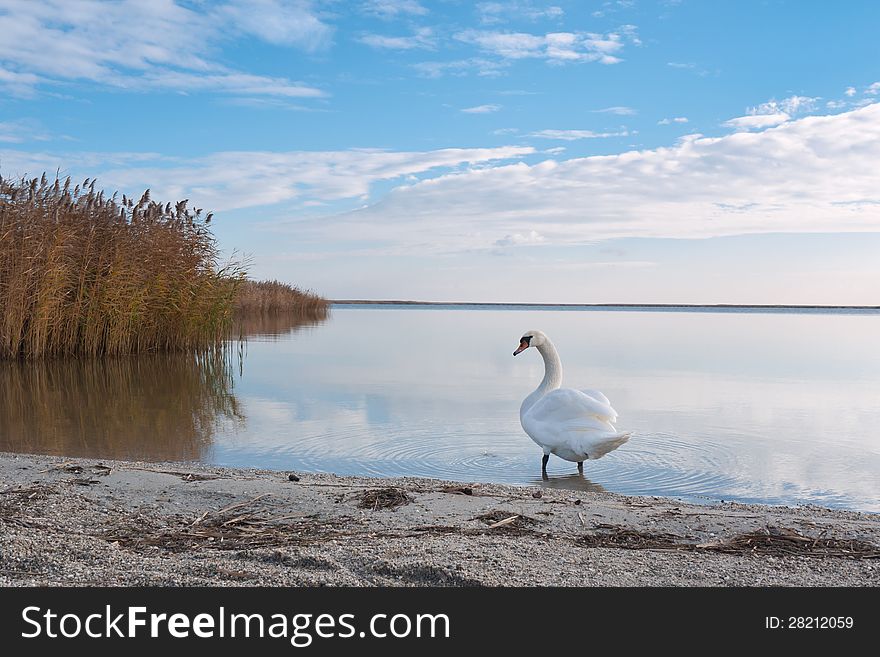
(161, 407)
(275, 325)
(148, 407)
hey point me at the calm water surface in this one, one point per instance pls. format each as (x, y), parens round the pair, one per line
(781, 408)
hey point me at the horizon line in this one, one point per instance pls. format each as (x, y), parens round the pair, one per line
(410, 302)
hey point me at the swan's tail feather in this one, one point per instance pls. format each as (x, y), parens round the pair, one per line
(609, 445)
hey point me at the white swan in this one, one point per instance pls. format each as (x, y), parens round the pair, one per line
(573, 424)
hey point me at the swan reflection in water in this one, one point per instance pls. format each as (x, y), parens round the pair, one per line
(574, 481)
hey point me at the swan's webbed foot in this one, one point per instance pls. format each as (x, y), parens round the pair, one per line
(581, 467)
(544, 467)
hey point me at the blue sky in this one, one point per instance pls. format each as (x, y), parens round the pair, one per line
(623, 150)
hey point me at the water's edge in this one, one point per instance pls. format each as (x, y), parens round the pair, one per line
(638, 307)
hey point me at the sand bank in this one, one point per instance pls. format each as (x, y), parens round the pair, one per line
(83, 522)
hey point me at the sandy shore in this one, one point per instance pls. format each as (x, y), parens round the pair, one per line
(81, 522)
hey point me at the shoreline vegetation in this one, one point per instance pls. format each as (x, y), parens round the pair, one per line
(86, 274)
(275, 298)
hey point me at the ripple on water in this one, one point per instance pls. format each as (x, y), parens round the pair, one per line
(419, 452)
(649, 464)
(676, 466)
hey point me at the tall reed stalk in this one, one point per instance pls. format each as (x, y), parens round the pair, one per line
(274, 297)
(86, 275)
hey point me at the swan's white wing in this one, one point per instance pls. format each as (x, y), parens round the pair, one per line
(566, 404)
(573, 425)
(602, 399)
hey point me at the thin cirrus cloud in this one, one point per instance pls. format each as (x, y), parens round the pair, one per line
(675, 119)
(21, 131)
(389, 9)
(574, 135)
(520, 239)
(813, 174)
(149, 45)
(423, 38)
(491, 13)
(553, 47)
(460, 67)
(481, 109)
(619, 110)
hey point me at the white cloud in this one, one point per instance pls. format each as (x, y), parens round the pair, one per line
(519, 239)
(423, 38)
(277, 22)
(18, 84)
(156, 45)
(554, 47)
(241, 84)
(20, 131)
(850, 91)
(612, 7)
(481, 109)
(393, 8)
(689, 66)
(792, 105)
(835, 104)
(675, 119)
(573, 135)
(238, 179)
(619, 110)
(873, 89)
(757, 121)
(459, 67)
(499, 12)
(773, 112)
(814, 174)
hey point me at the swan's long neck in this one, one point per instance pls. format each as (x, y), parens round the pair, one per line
(552, 375)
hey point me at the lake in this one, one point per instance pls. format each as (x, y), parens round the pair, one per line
(773, 407)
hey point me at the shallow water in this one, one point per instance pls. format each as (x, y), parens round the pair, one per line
(774, 407)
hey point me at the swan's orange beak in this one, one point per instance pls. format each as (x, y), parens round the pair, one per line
(523, 345)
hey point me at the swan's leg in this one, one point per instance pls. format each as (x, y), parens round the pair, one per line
(544, 465)
(581, 467)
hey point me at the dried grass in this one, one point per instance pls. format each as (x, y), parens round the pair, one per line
(241, 526)
(86, 275)
(275, 297)
(765, 541)
(384, 498)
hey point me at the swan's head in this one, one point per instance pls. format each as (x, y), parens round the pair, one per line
(530, 339)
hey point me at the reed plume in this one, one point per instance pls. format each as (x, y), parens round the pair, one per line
(82, 274)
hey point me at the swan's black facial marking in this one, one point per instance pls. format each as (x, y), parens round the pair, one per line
(523, 344)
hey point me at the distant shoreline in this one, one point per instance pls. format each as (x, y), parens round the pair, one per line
(721, 306)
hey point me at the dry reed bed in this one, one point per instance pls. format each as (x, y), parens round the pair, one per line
(83, 274)
(275, 297)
